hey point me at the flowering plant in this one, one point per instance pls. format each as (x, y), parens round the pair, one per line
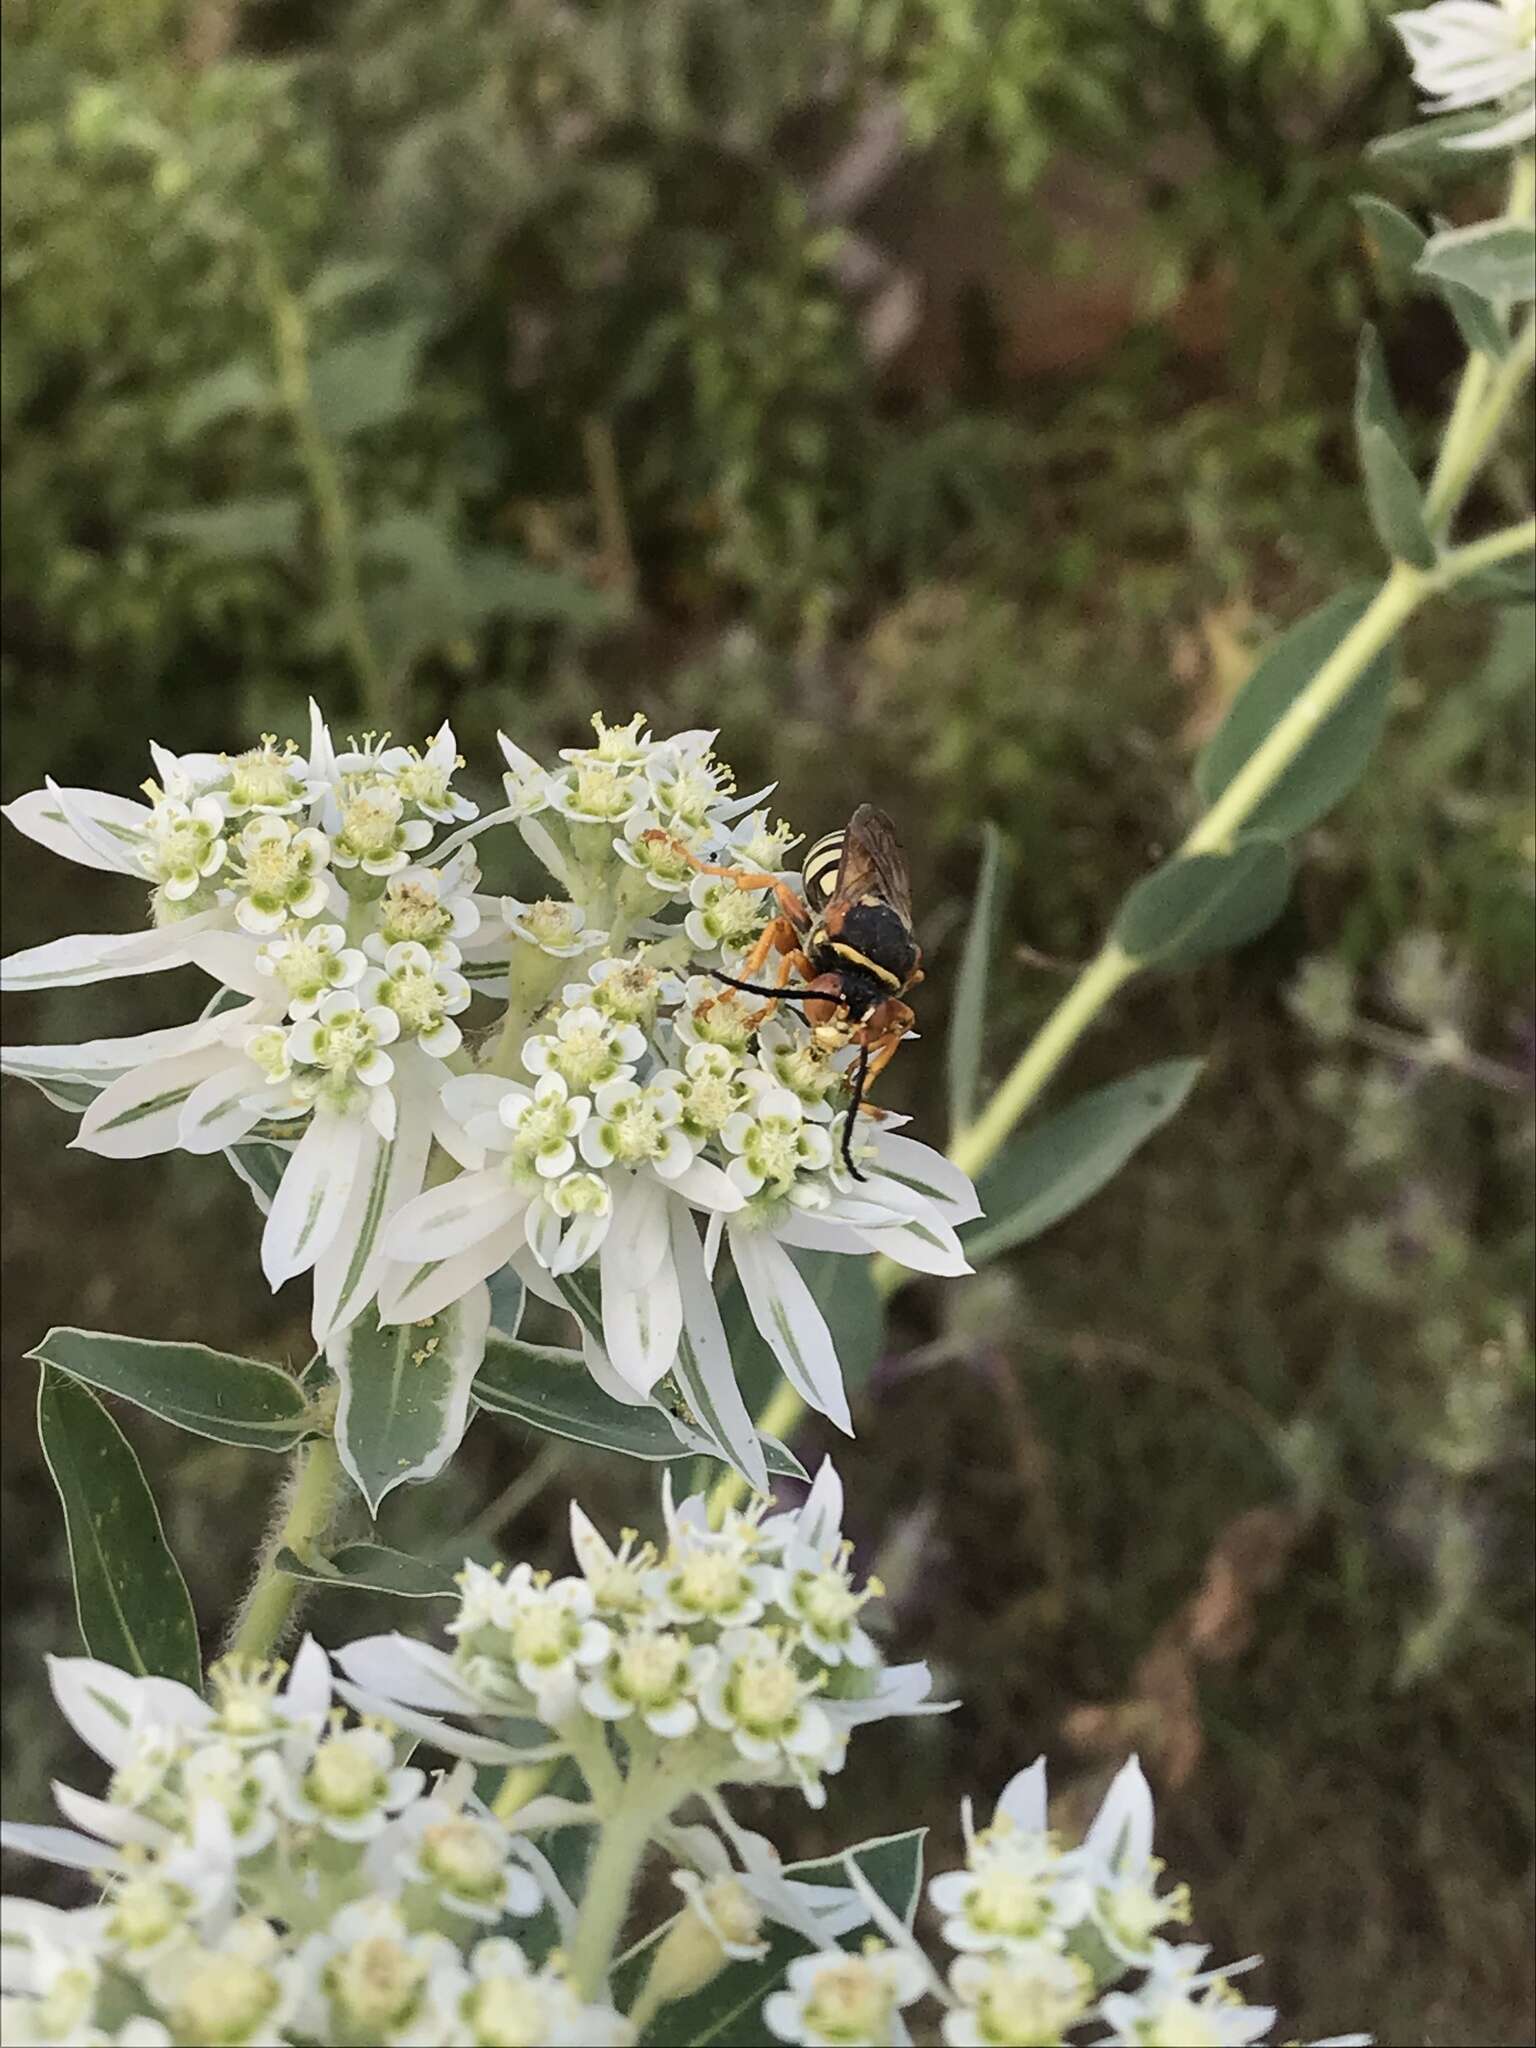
(446, 1102)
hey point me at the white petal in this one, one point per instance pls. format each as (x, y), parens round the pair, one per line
(113, 1823)
(792, 1326)
(641, 1329)
(104, 1058)
(59, 1845)
(606, 1379)
(1023, 1799)
(709, 1187)
(119, 822)
(704, 1358)
(220, 1111)
(929, 1173)
(101, 956)
(636, 1242)
(1121, 1835)
(313, 1194)
(230, 957)
(925, 1246)
(308, 1690)
(98, 1701)
(479, 1749)
(449, 1219)
(410, 1292)
(140, 1112)
(348, 1271)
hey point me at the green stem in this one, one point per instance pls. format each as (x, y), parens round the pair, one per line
(621, 1844)
(334, 513)
(269, 1605)
(1486, 553)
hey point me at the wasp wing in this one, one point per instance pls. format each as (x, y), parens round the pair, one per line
(873, 863)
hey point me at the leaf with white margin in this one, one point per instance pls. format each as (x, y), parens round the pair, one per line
(704, 1371)
(106, 1706)
(139, 1113)
(642, 1308)
(477, 1749)
(103, 1059)
(41, 815)
(408, 1293)
(314, 1192)
(791, 1324)
(108, 1821)
(405, 1388)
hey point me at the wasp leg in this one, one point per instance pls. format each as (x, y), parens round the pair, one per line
(887, 1028)
(789, 961)
(791, 906)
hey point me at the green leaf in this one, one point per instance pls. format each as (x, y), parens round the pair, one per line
(405, 1393)
(968, 1019)
(211, 1393)
(1391, 488)
(1331, 762)
(368, 381)
(239, 387)
(1189, 909)
(1397, 240)
(727, 2013)
(239, 528)
(498, 583)
(372, 1568)
(347, 278)
(131, 1599)
(1056, 1167)
(548, 1388)
(1494, 258)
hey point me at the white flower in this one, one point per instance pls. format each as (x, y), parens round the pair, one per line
(717, 1015)
(773, 1145)
(724, 919)
(462, 1859)
(757, 845)
(1174, 2007)
(372, 831)
(352, 1785)
(372, 1980)
(813, 1582)
(552, 1640)
(183, 845)
(559, 929)
(424, 995)
(658, 857)
(618, 746)
(586, 1049)
(1019, 1890)
(617, 1577)
(526, 782)
(278, 873)
(728, 1913)
(792, 1059)
(270, 779)
(709, 1577)
(240, 1990)
(1123, 1872)
(504, 2003)
(424, 779)
(638, 1126)
(758, 1696)
(628, 990)
(1474, 53)
(653, 1673)
(713, 1087)
(339, 1052)
(308, 962)
(845, 2001)
(1029, 1995)
(431, 907)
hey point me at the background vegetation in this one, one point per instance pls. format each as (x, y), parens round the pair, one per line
(945, 398)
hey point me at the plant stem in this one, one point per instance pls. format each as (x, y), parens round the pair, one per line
(621, 1844)
(337, 531)
(269, 1605)
(1485, 553)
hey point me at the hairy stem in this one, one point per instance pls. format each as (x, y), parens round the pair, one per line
(621, 1844)
(269, 1606)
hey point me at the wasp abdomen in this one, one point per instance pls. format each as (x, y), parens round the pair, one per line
(870, 936)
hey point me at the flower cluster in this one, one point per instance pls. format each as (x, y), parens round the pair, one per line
(1042, 1936)
(270, 1872)
(615, 1108)
(1476, 53)
(739, 1650)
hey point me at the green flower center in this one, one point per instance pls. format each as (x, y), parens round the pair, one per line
(650, 1669)
(345, 1777)
(462, 1858)
(504, 2013)
(223, 2001)
(411, 911)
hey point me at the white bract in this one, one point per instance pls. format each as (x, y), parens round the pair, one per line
(1476, 53)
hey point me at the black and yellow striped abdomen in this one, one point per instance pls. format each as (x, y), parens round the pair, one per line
(818, 871)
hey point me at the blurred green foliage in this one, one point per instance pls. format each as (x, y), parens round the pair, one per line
(499, 360)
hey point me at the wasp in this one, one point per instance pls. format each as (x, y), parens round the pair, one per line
(848, 937)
